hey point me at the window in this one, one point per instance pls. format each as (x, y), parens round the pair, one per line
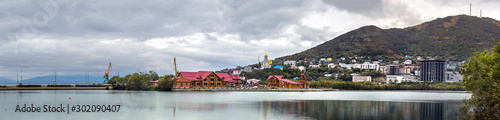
(218, 79)
(205, 79)
(212, 75)
(192, 84)
(211, 79)
(224, 84)
(198, 84)
(212, 84)
(218, 84)
(205, 84)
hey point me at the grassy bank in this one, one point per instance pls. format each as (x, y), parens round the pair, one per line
(347, 85)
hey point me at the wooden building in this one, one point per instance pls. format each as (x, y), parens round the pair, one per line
(207, 79)
(277, 81)
(182, 83)
(153, 83)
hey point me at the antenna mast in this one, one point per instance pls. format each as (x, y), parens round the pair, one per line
(470, 9)
(480, 13)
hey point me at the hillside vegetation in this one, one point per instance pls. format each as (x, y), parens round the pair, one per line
(453, 37)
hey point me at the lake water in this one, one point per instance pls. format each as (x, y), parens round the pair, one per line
(151, 105)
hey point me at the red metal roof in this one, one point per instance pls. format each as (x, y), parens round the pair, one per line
(195, 76)
(228, 78)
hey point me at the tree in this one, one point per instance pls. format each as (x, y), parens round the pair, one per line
(166, 83)
(153, 75)
(138, 81)
(263, 82)
(113, 80)
(482, 79)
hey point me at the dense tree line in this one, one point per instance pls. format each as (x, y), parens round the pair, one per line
(482, 78)
(312, 74)
(141, 81)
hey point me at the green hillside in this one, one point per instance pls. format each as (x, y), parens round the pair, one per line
(453, 37)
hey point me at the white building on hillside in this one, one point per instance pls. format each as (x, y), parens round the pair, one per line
(290, 62)
(400, 78)
(331, 65)
(361, 78)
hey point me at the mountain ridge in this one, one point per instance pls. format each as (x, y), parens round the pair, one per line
(452, 37)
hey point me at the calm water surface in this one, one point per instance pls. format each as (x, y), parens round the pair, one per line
(151, 105)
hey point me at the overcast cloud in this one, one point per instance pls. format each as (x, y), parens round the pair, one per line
(73, 37)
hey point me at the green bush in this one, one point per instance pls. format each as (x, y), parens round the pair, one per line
(348, 85)
(119, 87)
(59, 85)
(166, 83)
(138, 81)
(91, 85)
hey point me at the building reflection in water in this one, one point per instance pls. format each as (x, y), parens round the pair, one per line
(329, 110)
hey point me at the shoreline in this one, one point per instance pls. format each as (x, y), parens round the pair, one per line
(251, 90)
(203, 90)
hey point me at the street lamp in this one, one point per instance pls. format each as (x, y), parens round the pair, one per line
(76, 82)
(30, 82)
(21, 77)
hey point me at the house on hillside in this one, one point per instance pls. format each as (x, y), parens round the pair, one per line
(369, 66)
(290, 62)
(453, 76)
(314, 66)
(247, 69)
(407, 62)
(400, 78)
(361, 78)
(331, 65)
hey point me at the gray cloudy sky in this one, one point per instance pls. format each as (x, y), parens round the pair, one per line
(72, 37)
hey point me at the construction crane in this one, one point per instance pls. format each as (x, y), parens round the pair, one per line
(176, 72)
(106, 74)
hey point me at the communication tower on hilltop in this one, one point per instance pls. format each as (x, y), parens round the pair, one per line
(480, 13)
(470, 9)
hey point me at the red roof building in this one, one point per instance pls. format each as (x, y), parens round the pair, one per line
(277, 81)
(209, 79)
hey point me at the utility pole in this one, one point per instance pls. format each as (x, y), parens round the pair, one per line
(55, 78)
(17, 78)
(87, 77)
(21, 77)
(470, 9)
